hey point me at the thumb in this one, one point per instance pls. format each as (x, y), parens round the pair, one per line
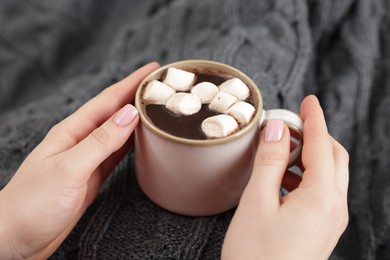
(88, 154)
(270, 164)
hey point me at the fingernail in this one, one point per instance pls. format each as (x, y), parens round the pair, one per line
(125, 115)
(274, 130)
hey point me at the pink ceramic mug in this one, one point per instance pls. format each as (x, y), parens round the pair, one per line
(202, 177)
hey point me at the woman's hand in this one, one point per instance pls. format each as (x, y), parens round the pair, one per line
(308, 222)
(59, 179)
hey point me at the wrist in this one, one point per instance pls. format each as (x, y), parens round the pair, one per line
(11, 245)
(16, 241)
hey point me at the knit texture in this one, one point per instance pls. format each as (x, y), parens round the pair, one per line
(55, 55)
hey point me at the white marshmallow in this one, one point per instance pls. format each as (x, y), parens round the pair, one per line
(206, 91)
(219, 126)
(178, 79)
(242, 112)
(235, 87)
(184, 103)
(222, 102)
(157, 92)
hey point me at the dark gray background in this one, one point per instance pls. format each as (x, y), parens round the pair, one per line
(55, 55)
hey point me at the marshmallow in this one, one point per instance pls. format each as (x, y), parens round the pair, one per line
(222, 102)
(157, 92)
(206, 91)
(219, 126)
(184, 103)
(242, 112)
(235, 87)
(178, 79)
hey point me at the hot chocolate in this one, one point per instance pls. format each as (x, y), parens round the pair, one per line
(191, 176)
(171, 111)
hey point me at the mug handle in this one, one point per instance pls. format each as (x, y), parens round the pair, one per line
(293, 122)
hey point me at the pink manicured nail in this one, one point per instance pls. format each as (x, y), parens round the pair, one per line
(125, 115)
(274, 130)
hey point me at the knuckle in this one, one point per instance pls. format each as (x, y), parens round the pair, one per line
(333, 205)
(344, 153)
(64, 135)
(54, 130)
(341, 151)
(111, 95)
(345, 220)
(272, 158)
(102, 137)
(62, 166)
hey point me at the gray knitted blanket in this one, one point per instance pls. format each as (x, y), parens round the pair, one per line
(55, 55)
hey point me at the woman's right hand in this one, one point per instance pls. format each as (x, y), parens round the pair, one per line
(306, 223)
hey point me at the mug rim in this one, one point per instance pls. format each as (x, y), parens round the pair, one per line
(205, 64)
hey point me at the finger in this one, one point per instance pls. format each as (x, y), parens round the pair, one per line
(341, 159)
(87, 155)
(317, 151)
(270, 164)
(108, 165)
(91, 115)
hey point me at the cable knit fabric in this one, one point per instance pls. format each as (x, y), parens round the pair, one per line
(55, 55)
